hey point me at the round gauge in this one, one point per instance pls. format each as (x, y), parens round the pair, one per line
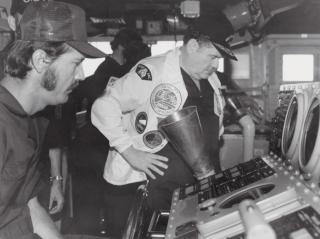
(293, 126)
(290, 124)
(310, 140)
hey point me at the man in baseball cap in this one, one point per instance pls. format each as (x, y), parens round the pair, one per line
(57, 22)
(155, 88)
(42, 67)
(216, 27)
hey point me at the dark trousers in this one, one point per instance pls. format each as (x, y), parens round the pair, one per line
(118, 202)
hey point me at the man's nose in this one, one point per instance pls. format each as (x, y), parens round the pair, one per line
(79, 76)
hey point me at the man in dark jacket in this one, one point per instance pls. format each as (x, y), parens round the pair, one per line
(42, 68)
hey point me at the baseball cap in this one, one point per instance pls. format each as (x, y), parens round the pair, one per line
(57, 22)
(217, 28)
(18, 6)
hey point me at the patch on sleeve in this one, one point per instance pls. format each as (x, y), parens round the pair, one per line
(141, 122)
(153, 139)
(143, 72)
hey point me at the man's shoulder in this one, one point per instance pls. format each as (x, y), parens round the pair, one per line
(108, 64)
(154, 63)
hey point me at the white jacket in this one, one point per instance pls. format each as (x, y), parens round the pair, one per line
(129, 111)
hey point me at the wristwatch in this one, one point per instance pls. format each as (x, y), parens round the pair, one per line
(56, 178)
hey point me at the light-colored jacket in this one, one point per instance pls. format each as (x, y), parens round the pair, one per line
(129, 111)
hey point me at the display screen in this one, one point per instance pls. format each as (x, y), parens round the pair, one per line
(310, 132)
(290, 125)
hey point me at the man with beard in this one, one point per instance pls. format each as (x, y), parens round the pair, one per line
(54, 153)
(132, 106)
(42, 68)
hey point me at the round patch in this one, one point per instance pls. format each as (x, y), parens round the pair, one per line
(141, 122)
(153, 139)
(165, 99)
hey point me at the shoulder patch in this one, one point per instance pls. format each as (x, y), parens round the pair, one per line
(143, 72)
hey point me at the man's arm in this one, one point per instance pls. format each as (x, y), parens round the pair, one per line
(56, 193)
(41, 221)
(124, 95)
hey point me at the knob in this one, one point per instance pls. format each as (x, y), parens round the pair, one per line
(313, 185)
(307, 176)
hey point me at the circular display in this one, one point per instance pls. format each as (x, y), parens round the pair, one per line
(309, 144)
(289, 128)
(292, 129)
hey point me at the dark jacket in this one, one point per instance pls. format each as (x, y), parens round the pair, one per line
(20, 144)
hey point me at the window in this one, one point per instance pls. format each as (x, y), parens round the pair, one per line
(90, 65)
(160, 47)
(297, 67)
(240, 70)
(164, 46)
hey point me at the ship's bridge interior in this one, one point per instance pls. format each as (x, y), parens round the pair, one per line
(269, 183)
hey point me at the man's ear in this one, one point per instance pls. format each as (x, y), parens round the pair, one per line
(40, 61)
(192, 45)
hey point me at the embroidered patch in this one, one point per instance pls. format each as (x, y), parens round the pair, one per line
(153, 139)
(141, 122)
(165, 99)
(143, 72)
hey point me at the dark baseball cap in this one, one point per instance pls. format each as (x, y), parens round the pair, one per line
(217, 28)
(57, 22)
(17, 6)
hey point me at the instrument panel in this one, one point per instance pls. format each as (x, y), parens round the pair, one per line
(284, 185)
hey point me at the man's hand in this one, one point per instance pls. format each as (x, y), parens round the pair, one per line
(147, 162)
(56, 197)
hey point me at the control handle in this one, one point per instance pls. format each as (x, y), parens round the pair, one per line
(254, 222)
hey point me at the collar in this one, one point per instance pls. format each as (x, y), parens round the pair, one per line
(10, 102)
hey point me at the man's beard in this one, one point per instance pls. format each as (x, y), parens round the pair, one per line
(49, 80)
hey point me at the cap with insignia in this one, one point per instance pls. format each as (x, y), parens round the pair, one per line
(216, 26)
